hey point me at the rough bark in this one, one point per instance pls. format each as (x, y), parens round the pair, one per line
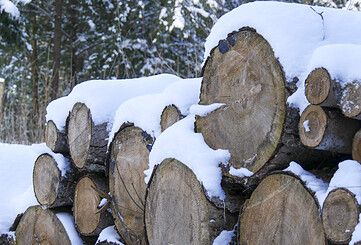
(321, 90)
(351, 100)
(55, 139)
(129, 158)
(356, 147)
(50, 187)
(340, 215)
(281, 211)
(243, 73)
(88, 221)
(170, 116)
(87, 142)
(41, 226)
(177, 210)
(327, 129)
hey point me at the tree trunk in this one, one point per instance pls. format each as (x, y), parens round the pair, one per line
(55, 139)
(321, 90)
(129, 158)
(177, 210)
(170, 116)
(73, 37)
(41, 226)
(356, 147)
(340, 215)
(87, 142)
(281, 211)
(327, 129)
(351, 100)
(88, 221)
(51, 188)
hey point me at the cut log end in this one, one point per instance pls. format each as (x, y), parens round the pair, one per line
(281, 211)
(170, 116)
(312, 126)
(351, 100)
(41, 226)
(317, 86)
(129, 158)
(177, 210)
(340, 215)
(249, 80)
(356, 147)
(55, 139)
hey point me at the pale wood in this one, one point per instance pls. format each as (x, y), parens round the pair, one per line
(129, 158)
(327, 129)
(87, 221)
(87, 142)
(170, 115)
(244, 74)
(356, 147)
(281, 211)
(55, 139)
(41, 226)
(351, 100)
(321, 90)
(177, 210)
(340, 215)
(50, 187)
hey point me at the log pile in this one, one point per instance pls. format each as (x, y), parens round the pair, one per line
(105, 184)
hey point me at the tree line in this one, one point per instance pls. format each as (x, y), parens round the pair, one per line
(54, 45)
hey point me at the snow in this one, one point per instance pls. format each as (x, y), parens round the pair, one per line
(67, 221)
(109, 234)
(9, 7)
(103, 97)
(225, 237)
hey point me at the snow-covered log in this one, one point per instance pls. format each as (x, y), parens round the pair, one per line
(281, 210)
(55, 139)
(45, 226)
(177, 210)
(87, 141)
(170, 115)
(327, 129)
(53, 186)
(340, 215)
(351, 100)
(128, 159)
(89, 218)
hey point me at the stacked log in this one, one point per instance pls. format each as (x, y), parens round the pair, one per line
(170, 115)
(55, 139)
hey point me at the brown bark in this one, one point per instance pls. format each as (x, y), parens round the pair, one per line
(87, 142)
(340, 215)
(327, 129)
(55, 139)
(50, 187)
(177, 210)
(129, 158)
(41, 226)
(170, 116)
(281, 211)
(88, 221)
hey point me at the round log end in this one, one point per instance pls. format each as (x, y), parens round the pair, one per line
(281, 211)
(317, 86)
(170, 116)
(356, 147)
(340, 215)
(51, 135)
(244, 74)
(351, 99)
(46, 179)
(79, 131)
(312, 125)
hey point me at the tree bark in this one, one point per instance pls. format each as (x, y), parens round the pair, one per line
(41, 226)
(50, 187)
(170, 116)
(327, 129)
(177, 210)
(88, 221)
(87, 142)
(129, 158)
(351, 100)
(356, 147)
(73, 37)
(340, 215)
(281, 210)
(55, 139)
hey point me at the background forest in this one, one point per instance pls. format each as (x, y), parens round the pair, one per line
(48, 47)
